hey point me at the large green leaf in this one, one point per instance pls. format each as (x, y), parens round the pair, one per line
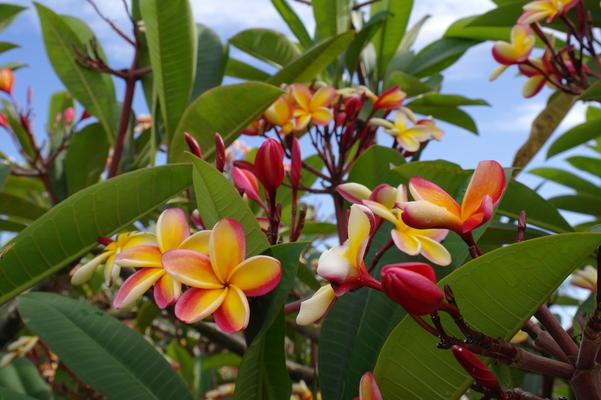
(217, 198)
(332, 17)
(593, 92)
(210, 61)
(91, 88)
(408, 83)
(266, 45)
(439, 55)
(86, 157)
(171, 36)
(575, 136)
(446, 100)
(262, 374)
(8, 12)
(586, 164)
(241, 70)
(452, 115)
(22, 208)
(374, 167)
(312, 61)
(293, 21)
(106, 354)
(224, 109)
(22, 378)
(411, 366)
(388, 39)
(70, 229)
(462, 29)
(362, 39)
(568, 179)
(580, 203)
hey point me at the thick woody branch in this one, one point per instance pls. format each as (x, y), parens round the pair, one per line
(563, 339)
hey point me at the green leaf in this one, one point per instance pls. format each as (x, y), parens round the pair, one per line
(504, 15)
(362, 39)
(575, 136)
(445, 100)
(8, 12)
(241, 70)
(332, 17)
(439, 55)
(567, 179)
(22, 376)
(410, 352)
(452, 115)
(106, 354)
(462, 29)
(11, 226)
(86, 157)
(592, 93)
(312, 61)
(4, 173)
(70, 229)
(580, 203)
(587, 164)
(293, 21)
(539, 211)
(408, 83)
(6, 394)
(266, 45)
(217, 198)
(388, 39)
(20, 207)
(171, 35)
(210, 61)
(375, 166)
(6, 46)
(93, 90)
(411, 35)
(224, 109)
(17, 128)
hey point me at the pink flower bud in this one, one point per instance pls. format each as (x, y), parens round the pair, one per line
(193, 145)
(353, 105)
(220, 156)
(69, 115)
(295, 164)
(246, 182)
(269, 165)
(3, 121)
(476, 368)
(7, 79)
(105, 241)
(413, 287)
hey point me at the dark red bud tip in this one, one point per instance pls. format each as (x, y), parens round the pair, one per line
(219, 152)
(295, 164)
(105, 241)
(352, 106)
(193, 145)
(85, 115)
(197, 220)
(269, 165)
(413, 287)
(476, 368)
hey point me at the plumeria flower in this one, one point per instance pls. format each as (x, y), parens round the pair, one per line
(358, 91)
(536, 78)
(548, 10)
(18, 348)
(280, 114)
(300, 391)
(172, 232)
(221, 281)
(312, 108)
(317, 306)
(410, 138)
(585, 278)
(83, 273)
(518, 50)
(368, 388)
(435, 208)
(390, 99)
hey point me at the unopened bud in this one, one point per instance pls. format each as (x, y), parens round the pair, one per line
(105, 241)
(476, 368)
(413, 287)
(193, 145)
(7, 79)
(246, 182)
(352, 106)
(220, 156)
(269, 165)
(69, 115)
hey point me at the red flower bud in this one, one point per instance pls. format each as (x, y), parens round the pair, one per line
(246, 182)
(413, 287)
(353, 105)
(105, 241)
(219, 152)
(243, 164)
(69, 115)
(269, 165)
(295, 164)
(193, 145)
(84, 115)
(339, 117)
(476, 368)
(7, 78)
(3, 121)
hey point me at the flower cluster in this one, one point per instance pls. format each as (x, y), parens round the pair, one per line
(211, 263)
(561, 68)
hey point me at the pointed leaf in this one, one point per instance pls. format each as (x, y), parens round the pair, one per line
(332, 17)
(293, 21)
(210, 61)
(86, 158)
(388, 39)
(266, 45)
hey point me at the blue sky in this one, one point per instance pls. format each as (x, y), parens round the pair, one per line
(503, 127)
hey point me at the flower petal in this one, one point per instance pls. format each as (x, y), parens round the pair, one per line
(316, 307)
(368, 388)
(191, 268)
(359, 228)
(227, 247)
(135, 286)
(434, 251)
(422, 189)
(488, 180)
(302, 95)
(172, 229)
(533, 86)
(408, 244)
(197, 304)
(234, 313)
(279, 113)
(323, 97)
(384, 123)
(425, 215)
(353, 192)
(198, 242)
(144, 255)
(322, 116)
(138, 239)
(257, 275)
(166, 291)
(381, 211)
(334, 265)
(111, 270)
(84, 273)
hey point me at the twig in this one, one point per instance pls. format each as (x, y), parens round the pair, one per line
(563, 339)
(115, 28)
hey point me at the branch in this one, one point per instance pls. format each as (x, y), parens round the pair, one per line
(115, 28)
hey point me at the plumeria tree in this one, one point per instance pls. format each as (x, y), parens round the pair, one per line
(294, 241)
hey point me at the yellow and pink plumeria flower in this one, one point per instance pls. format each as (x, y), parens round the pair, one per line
(368, 388)
(409, 137)
(518, 50)
(343, 266)
(435, 208)
(83, 273)
(221, 281)
(548, 10)
(172, 232)
(390, 99)
(585, 278)
(312, 108)
(386, 201)
(280, 113)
